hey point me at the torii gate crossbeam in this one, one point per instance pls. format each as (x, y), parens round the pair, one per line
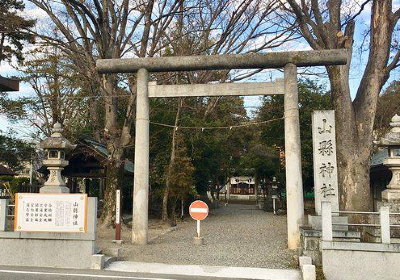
(288, 60)
(221, 62)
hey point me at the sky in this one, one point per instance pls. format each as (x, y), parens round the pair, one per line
(251, 102)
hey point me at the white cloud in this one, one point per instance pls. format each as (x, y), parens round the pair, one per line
(6, 69)
(33, 12)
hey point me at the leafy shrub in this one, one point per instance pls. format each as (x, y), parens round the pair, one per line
(13, 184)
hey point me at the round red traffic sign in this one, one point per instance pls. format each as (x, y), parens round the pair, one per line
(198, 210)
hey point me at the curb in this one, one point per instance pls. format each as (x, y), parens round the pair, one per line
(207, 271)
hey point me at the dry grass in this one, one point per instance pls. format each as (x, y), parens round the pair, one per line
(320, 274)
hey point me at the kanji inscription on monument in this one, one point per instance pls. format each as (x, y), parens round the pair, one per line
(324, 154)
(50, 212)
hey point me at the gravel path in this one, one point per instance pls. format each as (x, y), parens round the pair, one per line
(235, 235)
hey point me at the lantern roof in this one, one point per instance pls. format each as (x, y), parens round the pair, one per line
(57, 141)
(392, 138)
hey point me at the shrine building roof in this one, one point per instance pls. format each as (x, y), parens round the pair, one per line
(8, 84)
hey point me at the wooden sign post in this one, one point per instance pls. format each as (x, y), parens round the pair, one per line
(118, 217)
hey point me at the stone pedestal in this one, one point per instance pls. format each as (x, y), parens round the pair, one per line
(311, 236)
(311, 242)
(55, 183)
(391, 196)
(51, 249)
(53, 189)
(198, 241)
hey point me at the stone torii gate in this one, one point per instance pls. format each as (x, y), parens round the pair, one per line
(287, 60)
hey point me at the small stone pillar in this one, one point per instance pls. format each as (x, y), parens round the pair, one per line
(55, 147)
(3, 214)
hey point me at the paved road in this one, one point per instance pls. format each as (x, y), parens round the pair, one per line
(18, 273)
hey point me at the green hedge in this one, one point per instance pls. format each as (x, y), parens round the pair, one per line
(6, 178)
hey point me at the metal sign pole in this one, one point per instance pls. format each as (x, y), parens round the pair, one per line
(198, 210)
(198, 229)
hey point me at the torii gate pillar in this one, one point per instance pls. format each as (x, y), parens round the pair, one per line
(141, 180)
(294, 183)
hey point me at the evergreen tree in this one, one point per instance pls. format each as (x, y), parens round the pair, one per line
(14, 30)
(311, 97)
(14, 152)
(181, 175)
(388, 106)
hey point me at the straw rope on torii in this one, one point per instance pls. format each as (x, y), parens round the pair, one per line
(230, 127)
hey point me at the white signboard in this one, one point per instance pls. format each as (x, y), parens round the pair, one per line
(50, 212)
(118, 207)
(324, 154)
(246, 180)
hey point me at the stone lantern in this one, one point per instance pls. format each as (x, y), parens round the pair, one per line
(391, 140)
(55, 147)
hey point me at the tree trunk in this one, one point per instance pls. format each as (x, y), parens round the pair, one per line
(354, 119)
(114, 173)
(165, 202)
(171, 163)
(115, 163)
(93, 113)
(352, 148)
(173, 211)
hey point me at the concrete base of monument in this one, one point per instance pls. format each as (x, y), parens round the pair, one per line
(61, 253)
(52, 189)
(53, 249)
(315, 222)
(198, 240)
(360, 261)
